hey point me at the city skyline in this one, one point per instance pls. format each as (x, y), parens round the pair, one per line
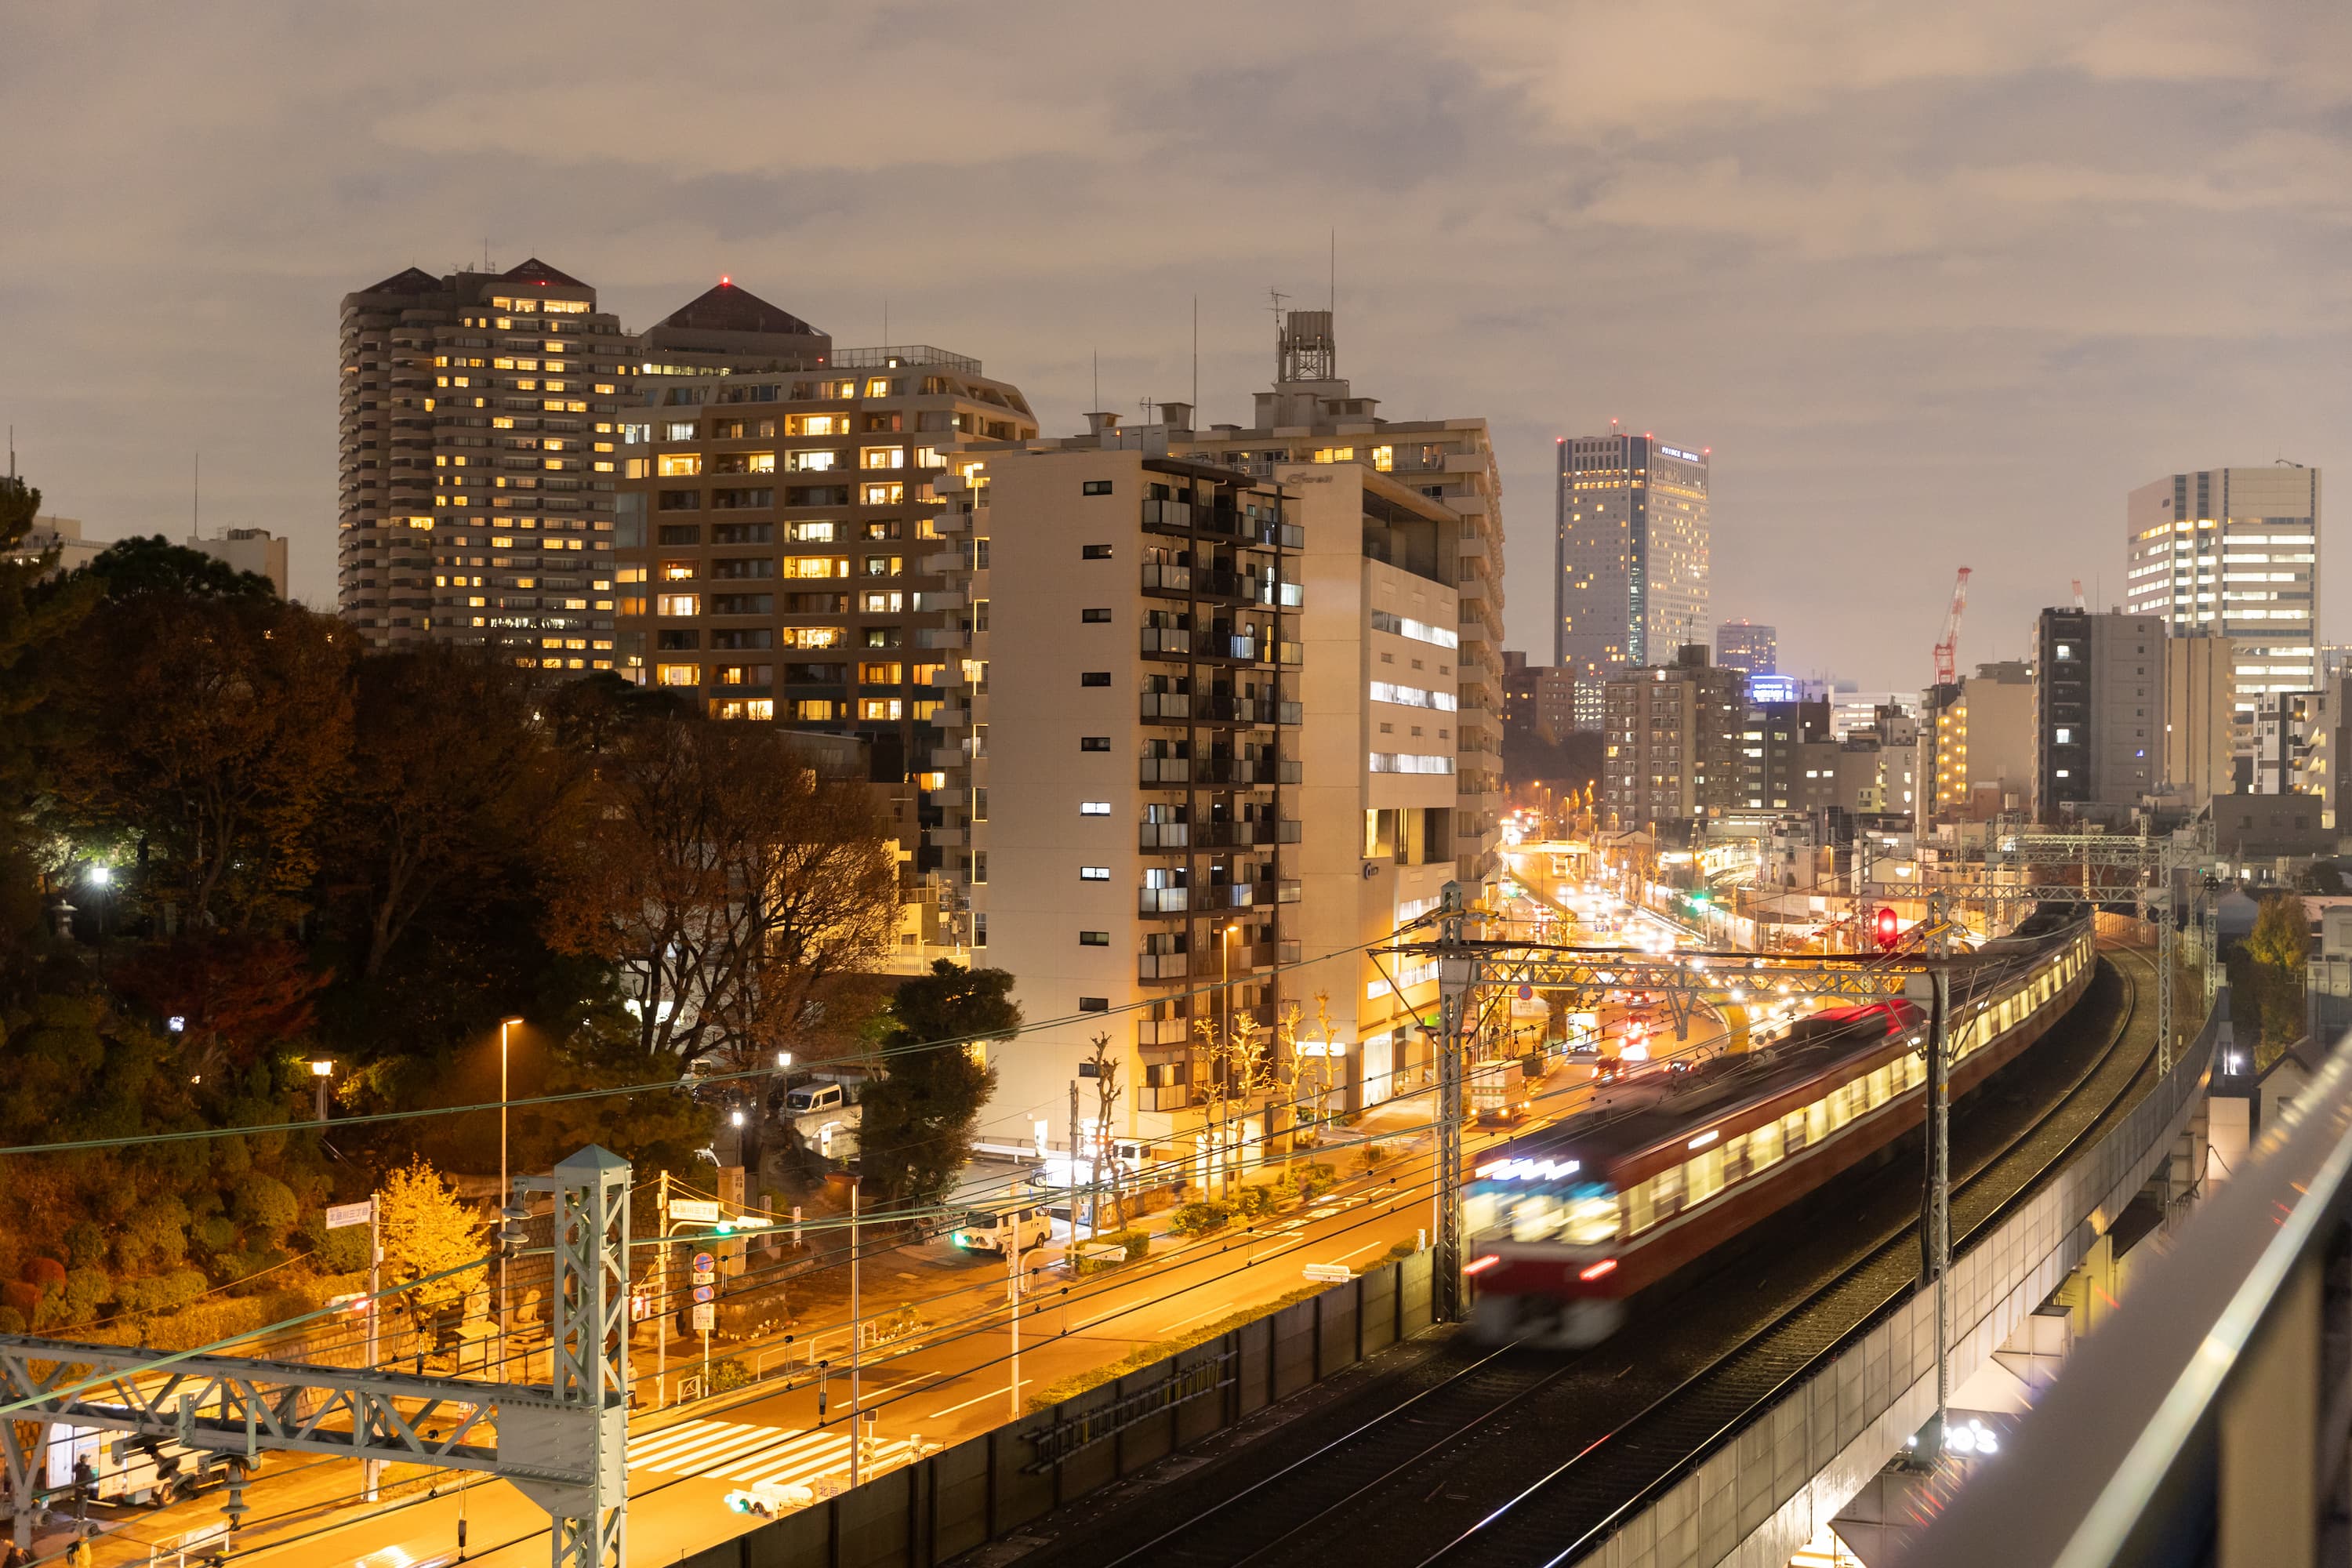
(1964, 277)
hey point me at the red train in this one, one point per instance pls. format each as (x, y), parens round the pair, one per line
(1569, 1222)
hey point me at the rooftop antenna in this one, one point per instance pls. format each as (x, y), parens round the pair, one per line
(1280, 334)
(196, 499)
(1335, 270)
(1196, 363)
(886, 320)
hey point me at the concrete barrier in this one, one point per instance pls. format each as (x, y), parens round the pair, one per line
(949, 1502)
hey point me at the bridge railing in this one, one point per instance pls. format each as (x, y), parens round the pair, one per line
(2207, 1420)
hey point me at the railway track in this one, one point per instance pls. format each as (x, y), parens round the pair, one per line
(1405, 1480)
(1567, 1513)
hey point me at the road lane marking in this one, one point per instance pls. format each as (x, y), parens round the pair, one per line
(1361, 1250)
(968, 1403)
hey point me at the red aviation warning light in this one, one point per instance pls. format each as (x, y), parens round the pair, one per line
(1889, 929)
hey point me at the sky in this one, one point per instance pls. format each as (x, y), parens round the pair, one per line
(1937, 285)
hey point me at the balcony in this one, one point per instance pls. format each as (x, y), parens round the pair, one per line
(1162, 901)
(1162, 1033)
(928, 601)
(1151, 966)
(945, 837)
(941, 563)
(1161, 577)
(1162, 707)
(1161, 640)
(944, 638)
(1164, 770)
(1152, 835)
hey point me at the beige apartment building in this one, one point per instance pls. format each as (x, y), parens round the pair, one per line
(478, 463)
(777, 559)
(1313, 414)
(254, 550)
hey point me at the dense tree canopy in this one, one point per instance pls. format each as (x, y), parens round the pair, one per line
(919, 1119)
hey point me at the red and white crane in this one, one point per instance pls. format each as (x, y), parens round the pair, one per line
(1947, 651)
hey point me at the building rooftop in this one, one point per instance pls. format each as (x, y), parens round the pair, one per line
(537, 271)
(724, 308)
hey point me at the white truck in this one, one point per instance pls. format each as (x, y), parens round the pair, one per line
(823, 1110)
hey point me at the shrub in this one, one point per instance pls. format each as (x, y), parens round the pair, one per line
(1132, 1242)
(162, 1293)
(1371, 1157)
(265, 1207)
(154, 1237)
(85, 1245)
(1254, 1202)
(21, 1300)
(12, 1322)
(726, 1376)
(215, 1235)
(1199, 1218)
(43, 1273)
(85, 1291)
(343, 1249)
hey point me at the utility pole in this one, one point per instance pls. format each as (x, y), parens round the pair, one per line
(1013, 1288)
(1454, 969)
(856, 1326)
(1074, 1171)
(1935, 1201)
(662, 1308)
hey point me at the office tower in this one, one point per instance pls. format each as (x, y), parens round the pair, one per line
(1632, 564)
(479, 461)
(1313, 416)
(777, 559)
(2233, 552)
(1747, 648)
(254, 550)
(2099, 711)
(1775, 741)
(1672, 741)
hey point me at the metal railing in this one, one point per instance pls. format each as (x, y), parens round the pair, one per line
(2207, 1421)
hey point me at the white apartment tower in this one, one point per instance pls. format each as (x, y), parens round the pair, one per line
(1632, 515)
(2234, 553)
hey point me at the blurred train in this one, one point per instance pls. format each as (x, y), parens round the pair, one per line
(1565, 1224)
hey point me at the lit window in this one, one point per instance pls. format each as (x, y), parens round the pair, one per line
(1093, 808)
(675, 674)
(882, 457)
(881, 603)
(884, 495)
(877, 387)
(815, 636)
(817, 708)
(816, 425)
(878, 708)
(1384, 458)
(1094, 873)
(675, 604)
(677, 465)
(816, 566)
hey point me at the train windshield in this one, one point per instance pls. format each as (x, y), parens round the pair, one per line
(1531, 1201)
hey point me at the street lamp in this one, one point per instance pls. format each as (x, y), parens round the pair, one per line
(505, 1196)
(323, 1071)
(1225, 996)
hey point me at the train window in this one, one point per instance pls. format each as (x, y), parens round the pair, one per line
(1764, 1147)
(1882, 1087)
(1669, 1184)
(1703, 1175)
(1640, 1208)
(1534, 1216)
(1735, 1158)
(1591, 1220)
(1796, 1129)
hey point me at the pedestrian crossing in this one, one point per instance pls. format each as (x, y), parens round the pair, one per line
(747, 1454)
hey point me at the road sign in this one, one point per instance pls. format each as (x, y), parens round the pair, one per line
(1527, 992)
(341, 1214)
(704, 1263)
(700, 1211)
(705, 1292)
(705, 1318)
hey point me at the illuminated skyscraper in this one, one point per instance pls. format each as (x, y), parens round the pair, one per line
(2233, 552)
(1632, 516)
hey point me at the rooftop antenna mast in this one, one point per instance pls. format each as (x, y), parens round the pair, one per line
(1196, 357)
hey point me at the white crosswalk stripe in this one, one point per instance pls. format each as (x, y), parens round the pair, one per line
(734, 1451)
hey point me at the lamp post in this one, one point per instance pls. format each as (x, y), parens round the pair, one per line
(319, 1073)
(505, 1197)
(1225, 1000)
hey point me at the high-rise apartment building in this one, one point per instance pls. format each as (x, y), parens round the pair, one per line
(2233, 552)
(1976, 745)
(478, 457)
(1671, 742)
(2099, 711)
(1745, 647)
(1632, 564)
(777, 561)
(2200, 715)
(1313, 416)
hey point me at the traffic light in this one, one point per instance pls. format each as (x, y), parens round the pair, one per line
(1697, 901)
(1889, 929)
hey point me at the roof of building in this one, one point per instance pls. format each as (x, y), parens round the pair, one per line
(413, 280)
(724, 308)
(534, 271)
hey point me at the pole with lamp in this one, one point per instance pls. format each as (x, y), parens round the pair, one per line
(320, 1073)
(1226, 1051)
(506, 1198)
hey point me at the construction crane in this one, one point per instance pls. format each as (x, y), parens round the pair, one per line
(1947, 651)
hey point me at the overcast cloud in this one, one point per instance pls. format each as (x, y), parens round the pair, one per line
(1937, 288)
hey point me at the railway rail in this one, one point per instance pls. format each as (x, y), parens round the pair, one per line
(1470, 1468)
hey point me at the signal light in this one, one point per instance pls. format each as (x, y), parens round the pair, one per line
(1889, 929)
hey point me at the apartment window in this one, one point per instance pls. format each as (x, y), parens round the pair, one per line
(1093, 808)
(813, 532)
(1095, 487)
(675, 674)
(677, 571)
(979, 928)
(1093, 1005)
(1094, 939)
(879, 674)
(1094, 551)
(1085, 678)
(1094, 873)
(680, 604)
(878, 708)
(679, 465)
(883, 495)
(1094, 618)
(1094, 742)
(818, 709)
(680, 533)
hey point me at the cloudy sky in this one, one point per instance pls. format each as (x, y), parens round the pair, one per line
(1936, 284)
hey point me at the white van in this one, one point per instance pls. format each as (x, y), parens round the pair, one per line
(983, 1231)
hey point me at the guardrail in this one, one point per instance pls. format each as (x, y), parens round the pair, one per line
(2207, 1421)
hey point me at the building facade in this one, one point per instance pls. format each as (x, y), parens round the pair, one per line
(2234, 553)
(1671, 741)
(1976, 745)
(1632, 538)
(254, 550)
(1745, 647)
(777, 560)
(2200, 715)
(2098, 712)
(479, 461)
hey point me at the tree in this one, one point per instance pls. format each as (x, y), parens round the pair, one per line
(451, 782)
(916, 1121)
(426, 1230)
(2277, 948)
(728, 882)
(1105, 1066)
(213, 730)
(153, 565)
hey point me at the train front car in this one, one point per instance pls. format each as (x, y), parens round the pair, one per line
(1672, 1170)
(1543, 1234)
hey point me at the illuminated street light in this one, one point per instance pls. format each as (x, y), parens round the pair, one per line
(321, 1072)
(100, 875)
